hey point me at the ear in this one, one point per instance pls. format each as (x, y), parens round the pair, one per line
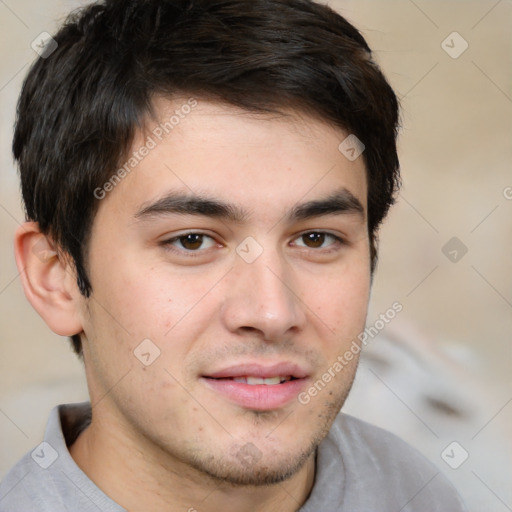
(48, 280)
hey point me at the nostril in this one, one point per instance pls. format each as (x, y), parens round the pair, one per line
(248, 328)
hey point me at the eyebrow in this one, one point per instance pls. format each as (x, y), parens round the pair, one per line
(340, 202)
(192, 204)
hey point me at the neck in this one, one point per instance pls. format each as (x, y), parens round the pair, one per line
(140, 476)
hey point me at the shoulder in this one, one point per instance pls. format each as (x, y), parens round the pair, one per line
(21, 488)
(34, 480)
(365, 441)
(47, 479)
(378, 462)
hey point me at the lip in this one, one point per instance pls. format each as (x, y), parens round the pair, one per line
(260, 397)
(258, 370)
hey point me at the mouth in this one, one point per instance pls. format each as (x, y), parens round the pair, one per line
(257, 387)
(258, 381)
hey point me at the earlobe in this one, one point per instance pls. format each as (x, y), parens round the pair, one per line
(48, 280)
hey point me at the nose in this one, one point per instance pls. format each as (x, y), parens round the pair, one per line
(262, 298)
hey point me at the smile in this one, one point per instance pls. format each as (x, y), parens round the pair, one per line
(270, 381)
(258, 387)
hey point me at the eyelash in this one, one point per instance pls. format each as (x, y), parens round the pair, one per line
(338, 241)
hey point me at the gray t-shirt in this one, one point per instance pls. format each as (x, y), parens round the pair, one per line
(360, 468)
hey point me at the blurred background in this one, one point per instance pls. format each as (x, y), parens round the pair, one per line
(439, 373)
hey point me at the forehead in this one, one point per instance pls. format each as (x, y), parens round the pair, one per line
(256, 161)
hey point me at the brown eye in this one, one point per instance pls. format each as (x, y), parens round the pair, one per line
(314, 240)
(318, 240)
(192, 241)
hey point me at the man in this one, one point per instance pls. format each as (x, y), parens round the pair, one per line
(204, 182)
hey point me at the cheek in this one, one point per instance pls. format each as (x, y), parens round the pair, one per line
(136, 304)
(138, 299)
(341, 302)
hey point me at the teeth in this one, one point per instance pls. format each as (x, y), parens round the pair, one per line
(253, 381)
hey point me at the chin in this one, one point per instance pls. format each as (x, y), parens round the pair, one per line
(249, 467)
(246, 465)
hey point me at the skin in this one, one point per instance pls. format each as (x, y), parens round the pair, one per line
(160, 438)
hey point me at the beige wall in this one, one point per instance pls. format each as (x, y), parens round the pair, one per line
(456, 150)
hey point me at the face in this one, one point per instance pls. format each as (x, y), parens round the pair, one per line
(230, 269)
